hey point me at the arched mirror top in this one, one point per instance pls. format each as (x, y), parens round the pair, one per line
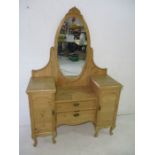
(73, 13)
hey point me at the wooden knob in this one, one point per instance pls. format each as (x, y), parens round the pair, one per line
(76, 104)
(76, 115)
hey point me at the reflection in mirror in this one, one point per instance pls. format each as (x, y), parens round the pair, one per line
(72, 43)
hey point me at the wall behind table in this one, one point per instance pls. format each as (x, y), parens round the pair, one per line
(111, 25)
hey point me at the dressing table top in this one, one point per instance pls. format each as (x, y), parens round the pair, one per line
(41, 84)
(105, 81)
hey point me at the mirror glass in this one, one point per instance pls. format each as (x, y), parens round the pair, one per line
(72, 44)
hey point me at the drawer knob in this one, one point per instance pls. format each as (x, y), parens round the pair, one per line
(53, 112)
(76, 115)
(76, 104)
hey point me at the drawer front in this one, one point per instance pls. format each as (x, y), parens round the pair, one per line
(43, 98)
(74, 106)
(73, 118)
(41, 103)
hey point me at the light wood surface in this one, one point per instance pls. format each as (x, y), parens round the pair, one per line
(55, 99)
(80, 93)
(106, 81)
(76, 106)
(76, 117)
(41, 84)
(108, 93)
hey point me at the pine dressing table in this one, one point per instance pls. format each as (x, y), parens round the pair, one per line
(56, 99)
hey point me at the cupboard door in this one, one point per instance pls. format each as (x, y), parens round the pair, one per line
(107, 110)
(42, 105)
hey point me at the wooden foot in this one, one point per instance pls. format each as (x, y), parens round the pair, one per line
(53, 138)
(110, 131)
(35, 142)
(96, 132)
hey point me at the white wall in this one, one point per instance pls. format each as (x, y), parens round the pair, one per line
(111, 25)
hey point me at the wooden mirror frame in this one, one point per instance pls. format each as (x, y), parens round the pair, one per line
(74, 12)
(53, 68)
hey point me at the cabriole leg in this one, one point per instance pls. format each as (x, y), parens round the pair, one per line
(53, 137)
(96, 131)
(34, 141)
(111, 130)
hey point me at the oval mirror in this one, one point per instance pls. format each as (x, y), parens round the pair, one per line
(72, 44)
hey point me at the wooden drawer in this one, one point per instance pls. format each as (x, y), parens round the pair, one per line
(74, 106)
(41, 100)
(39, 95)
(73, 118)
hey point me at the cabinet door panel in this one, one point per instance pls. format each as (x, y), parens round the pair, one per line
(42, 119)
(108, 106)
(42, 113)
